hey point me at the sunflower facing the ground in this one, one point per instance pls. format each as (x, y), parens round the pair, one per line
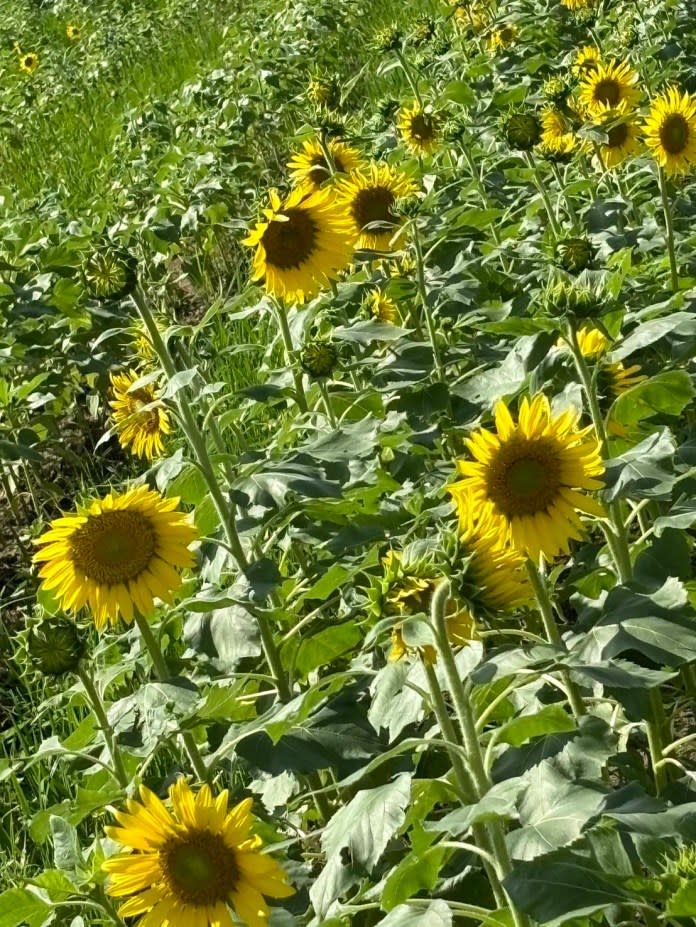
(525, 477)
(623, 136)
(368, 197)
(139, 422)
(117, 555)
(609, 85)
(501, 38)
(419, 129)
(670, 131)
(190, 865)
(302, 244)
(309, 168)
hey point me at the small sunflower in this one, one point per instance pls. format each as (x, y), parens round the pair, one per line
(28, 62)
(190, 865)
(578, 4)
(557, 134)
(614, 379)
(368, 197)
(139, 420)
(302, 245)
(623, 136)
(309, 168)
(382, 307)
(73, 32)
(609, 85)
(670, 131)
(419, 128)
(592, 342)
(117, 555)
(525, 479)
(502, 38)
(587, 59)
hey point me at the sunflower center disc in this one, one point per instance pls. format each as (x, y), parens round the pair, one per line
(421, 128)
(373, 206)
(618, 135)
(674, 133)
(607, 91)
(199, 867)
(320, 169)
(526, 478)
(289, 241)
(148, 419)
(113, 547)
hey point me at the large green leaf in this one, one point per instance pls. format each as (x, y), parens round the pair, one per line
(437, 914)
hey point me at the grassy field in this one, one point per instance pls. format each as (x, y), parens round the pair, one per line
(355, 342)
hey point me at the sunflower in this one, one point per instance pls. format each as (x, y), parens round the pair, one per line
(189, 865)
(117, 555)
(368, 197)
(670, 131)
(586, 59)
(302, 245)
(578, 4)
(309, 168)
(502, 38)
(139, 421)
(592, 342)
(28, 62)
(623, 136)
(525, 478)
(419, 129)
(382, 307)
(557, 136)
(614, 379)
(495, 572)
(73, 32)
(609, 85)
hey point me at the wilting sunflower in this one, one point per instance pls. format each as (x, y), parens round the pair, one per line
(302, 245)
(419, 129)
(73, 32)
(623, 136)
(587, 59)
(525, 478)
(190, 865)
(140, 422)
(368, 197)
(670, 131)
(28, 62)
(557, 136)
(382, 307)
(309, 168)
(609, 85)
(117, 555)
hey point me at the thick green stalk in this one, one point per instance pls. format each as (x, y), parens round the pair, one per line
(413, 83)
(327, 404)
(669, 228)
(655, 727)
(291, 355)
(99, 710)
(423, 292)
(543, 193)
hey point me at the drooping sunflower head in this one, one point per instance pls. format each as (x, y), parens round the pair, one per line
(309, 167)
(55, 646)
(369, 198)
(502, 38)
(302, 245)
(190, 863)
(382, 307)
(110, 273)
(575, 254)
(420, 129)
(527, 478)
(28, 62)
(522, 131)
(423, 30)
(670, 131)
(623, 136)
(587, 59)
(73, 32)
(140, 420)
(117, 555)
(319, 359)
(609, 85)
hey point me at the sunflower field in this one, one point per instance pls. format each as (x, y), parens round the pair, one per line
(347, 463)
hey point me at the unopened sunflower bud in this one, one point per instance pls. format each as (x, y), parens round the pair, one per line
(323, 92)
(55, 646)
(556, 90)
(575, 254)
(522, 131)
(110, 274)
(388, 39)
(423, 30)
(319, 359)
(572, 299)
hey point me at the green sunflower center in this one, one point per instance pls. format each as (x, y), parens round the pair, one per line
(372, 207)
(199, 868)
(607, 91)
(674, 133)
(289, 241)
(525, 477)
(113, 547)
(618, 135)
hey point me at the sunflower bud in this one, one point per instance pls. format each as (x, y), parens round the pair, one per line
(573, 299)
(522, 131)
(455, 129)
(319, 358)
(55, 646)
(423, 30)
(331, 125)
(323, 92)
(556, 91)
(388, 39)
(575, 254)
(110, 274)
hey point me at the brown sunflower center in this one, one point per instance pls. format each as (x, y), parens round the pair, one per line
(290, 239)
(113, 547)
(607, 91)
(618, 135)
(199, 868)
(674, 133)
(525, 477)
(319, 171)
(372, 207)
(422, 128)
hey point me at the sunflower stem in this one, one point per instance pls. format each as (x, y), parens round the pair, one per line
(561, 188)
(543, 193)
(423, 292)
(162, 673)
(99, 710)
(669, 228)
(553, 634)
(327, 403)
(655, 727)
(412, 82)
(291, 355)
